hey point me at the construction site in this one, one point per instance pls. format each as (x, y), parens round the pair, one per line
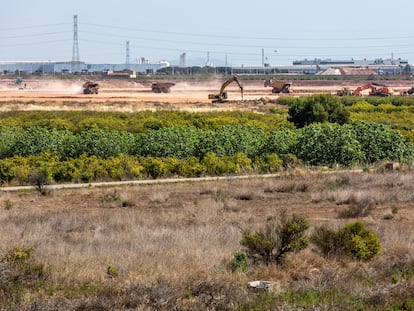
(50, 93)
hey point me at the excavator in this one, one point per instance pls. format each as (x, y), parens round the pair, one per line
(278, 86)
(374, 90)
(222, 95)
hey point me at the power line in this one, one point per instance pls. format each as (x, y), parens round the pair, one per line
(31, 27)
(35, 35)
(32, 43)
(251, 38)
(258, 46)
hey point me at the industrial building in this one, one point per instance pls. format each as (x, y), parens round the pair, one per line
(49, 67)
(315, 66)
(378, 65)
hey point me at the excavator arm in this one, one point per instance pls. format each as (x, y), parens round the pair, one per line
(222, 94)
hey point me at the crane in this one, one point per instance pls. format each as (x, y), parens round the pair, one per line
(222, 95)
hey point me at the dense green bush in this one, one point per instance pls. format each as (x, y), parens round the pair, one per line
(9, 136)
(329, 144)
(138, 122)
(239, 262)
(37, 140)
(230, 140)
(102, 143)
(268, 163)
(319, 108)
(378, 142)
(218, 152)
(178, 142)
(353, 241)
(282, 142)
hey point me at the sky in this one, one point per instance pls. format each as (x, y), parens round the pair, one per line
(233, 33)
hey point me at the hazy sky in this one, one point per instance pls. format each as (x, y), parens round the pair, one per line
(235, 31)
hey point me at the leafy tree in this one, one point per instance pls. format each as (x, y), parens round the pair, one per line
(102, 143)
(178, 142)
(36, 140)
(319, 108)
(230, 140)
(379, 142)
(282, 142)
(329, 144)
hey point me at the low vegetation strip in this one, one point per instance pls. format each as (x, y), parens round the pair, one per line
(100, 155)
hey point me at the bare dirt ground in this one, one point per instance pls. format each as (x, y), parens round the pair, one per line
(127, 96)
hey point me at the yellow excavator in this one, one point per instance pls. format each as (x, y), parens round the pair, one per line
(222, 95)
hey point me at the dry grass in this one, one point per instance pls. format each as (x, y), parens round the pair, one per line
(176, 240)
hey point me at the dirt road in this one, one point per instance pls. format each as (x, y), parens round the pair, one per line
(128, 96)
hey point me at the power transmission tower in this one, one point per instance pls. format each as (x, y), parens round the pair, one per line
(75, 50)
(183, 60)
(127, 55)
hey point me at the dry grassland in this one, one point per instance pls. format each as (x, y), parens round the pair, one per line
(178, 238)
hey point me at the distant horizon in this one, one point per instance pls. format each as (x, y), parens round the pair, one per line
(229, 32)
(197, 65)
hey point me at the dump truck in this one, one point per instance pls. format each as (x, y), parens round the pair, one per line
(162, 87)
(222, 95)
(90, 87)
(278, 86)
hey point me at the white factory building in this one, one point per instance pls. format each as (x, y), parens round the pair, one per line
(52, 67)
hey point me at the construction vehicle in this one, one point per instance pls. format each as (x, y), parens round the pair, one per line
(374, 89)
(19, 83)
(90, 87)
(344, 92)
(222, 95)
(408, 92)
(278, 86)
(162, 87)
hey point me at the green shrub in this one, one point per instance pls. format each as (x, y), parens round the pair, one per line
(353, 241)
(20, 274)
(282, 142)
(112, 271)
(319, 108)
(102, 143)
(230, 140)
(216, 165)
(155, 167)
(37, 140)
(178, 142)
(8, 138)
(290, 161)
(279, 237)
(379, 142)
(239, 262)
(329, 144)
(268, 163)
(190, 167)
